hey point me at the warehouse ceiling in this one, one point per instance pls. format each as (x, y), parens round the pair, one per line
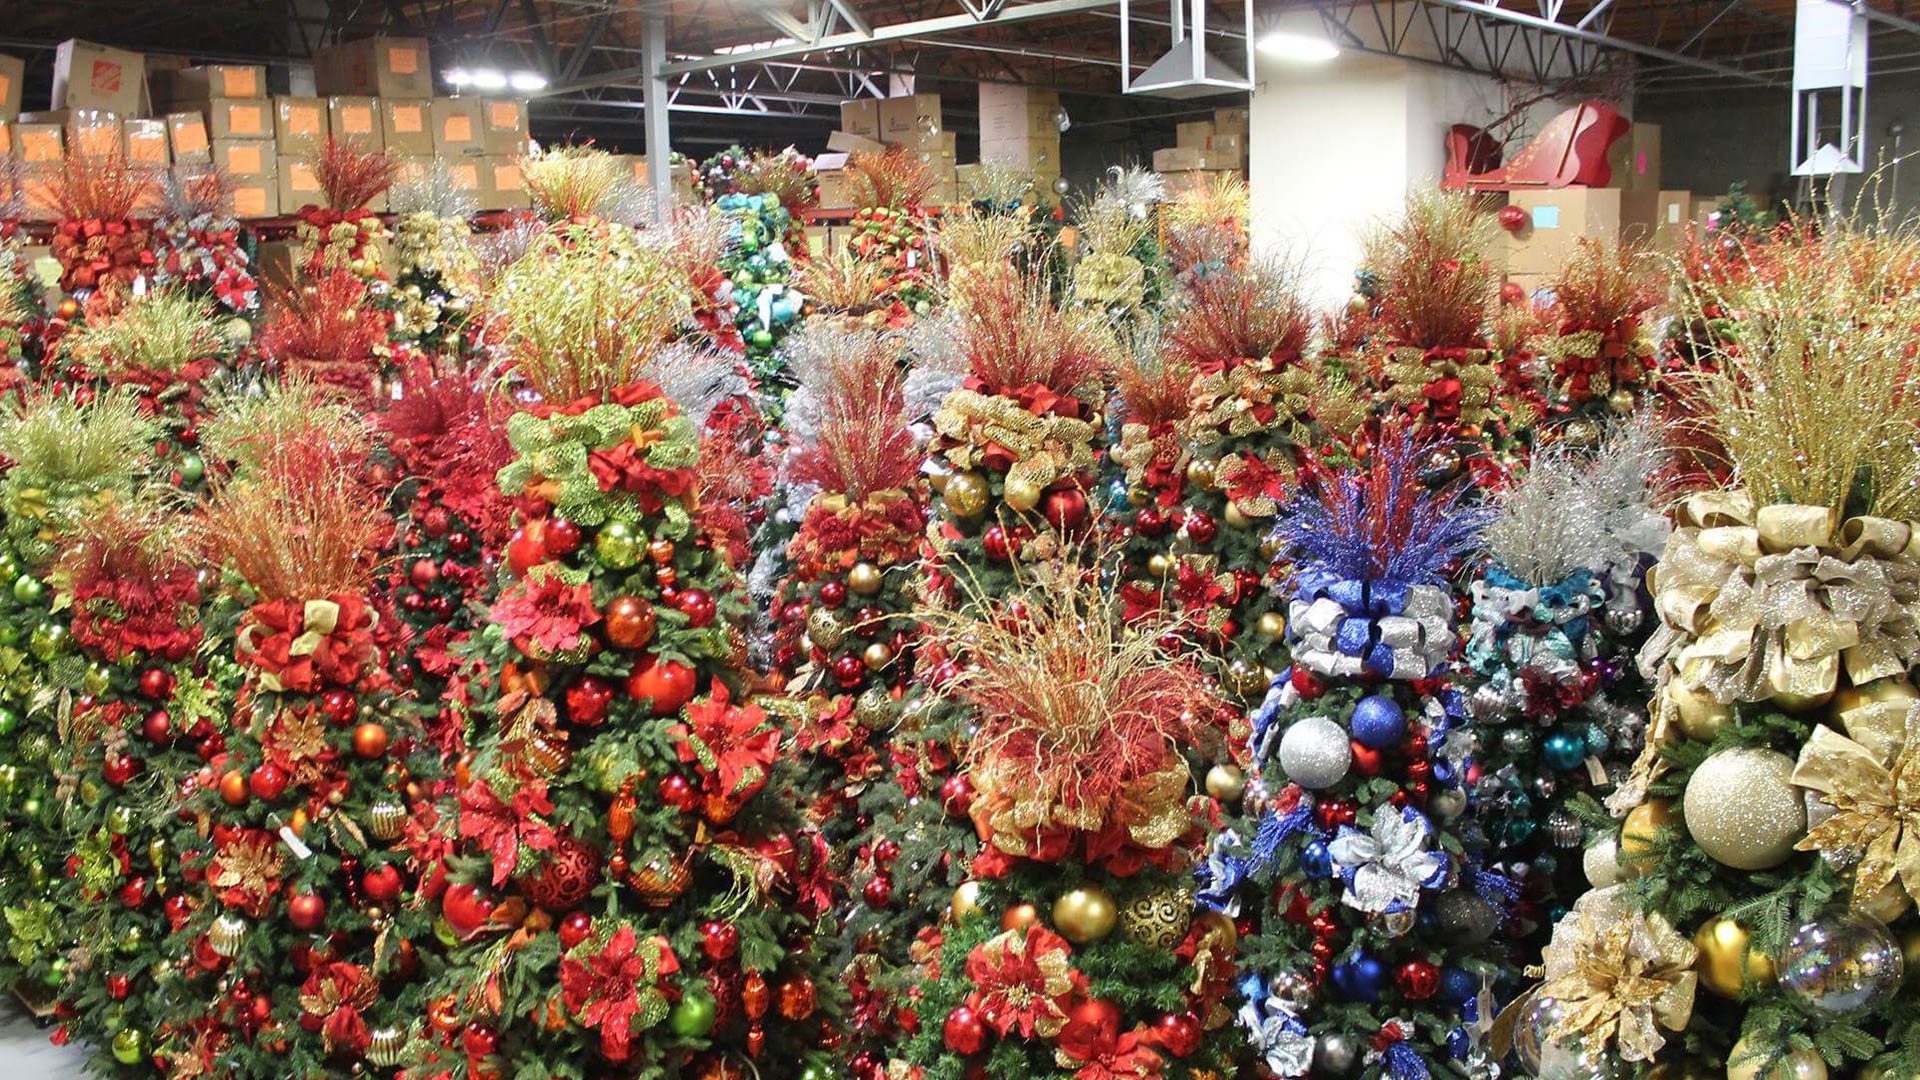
(772, 71)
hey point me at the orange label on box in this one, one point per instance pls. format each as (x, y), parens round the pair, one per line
(506, 177)
(189, 138)
(244, 160)
(6, 85)
(457, 129)
(147, 148)
(39, 144)
(467, 177)
(407, 119)
(245, 120)
(106, 77)
(356, 120)
(249, 200)
(503, 115)
(301, 177)
(238, 82)
(402, 60)
(303, 119)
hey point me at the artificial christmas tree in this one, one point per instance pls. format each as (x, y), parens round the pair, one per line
(1753, 916)
(1366, 924)
(436, 273)
(890, 226)
(1599, 357)
(344, 236)
(628, 898)
(105, 251)
(1118, 267)
(199, 244)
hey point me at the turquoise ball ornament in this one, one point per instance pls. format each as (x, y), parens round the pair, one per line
(1564, 750)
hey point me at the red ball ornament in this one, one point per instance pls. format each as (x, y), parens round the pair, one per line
(575, 928)
(996, 544)
(382, 883)
(134, 893)
(588, 700)
(629, 622)
(460, 543)
(885, 851)
(667, 684)
(719, 940)
(956, 795)
(1511, 293)
(1150, 522)
(1178, 1033)
(466, 908)
(678, 792)
(118, 987)
(1305, 683)
(423, 573)
(849, 670)
(178, 909)
(1333, 813)
(698, 606)
(1094, 1014)
(964, 1032)
(479, 1041)
(1513, 218)
(566, 876)
(560, 538)
(268, 781)
(158, 727)
(120, 769)
(370, 740)
(1201, 528)
(339, 705)
(307, 912)
(1065, 508)
(1366, 760)
(526, 549)
(878, 892)
(156, 683)
(833, 593)
(1417, 979)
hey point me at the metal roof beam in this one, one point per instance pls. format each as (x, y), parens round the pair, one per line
(1884, 18)
(1605, 41)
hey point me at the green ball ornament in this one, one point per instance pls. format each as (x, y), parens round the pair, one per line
(98, 680)
(120, 819)
(9, 779)
(761, 339)
(35, 746)
(9, 636)
(128, 1046)
(617, 545)
(30, 809)
(91, 793)
(193, 468)
(46, 640)
(9, 567)
(131, 940)
(9, 720)
(816, 1071)
(693, 1017)
(444, 933)
(28, 589)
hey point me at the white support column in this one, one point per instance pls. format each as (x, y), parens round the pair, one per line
(653, 50)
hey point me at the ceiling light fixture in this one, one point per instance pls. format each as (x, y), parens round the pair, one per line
(1300, 48)
(527, 81)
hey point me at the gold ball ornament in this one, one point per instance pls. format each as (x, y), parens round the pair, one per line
(1019, 917)
(1158, 920)
(1889, 904)
(1138, 496)
(875, 708)
(1747, 1062)
(1620, 401)
(1742, 809)
(1159, 564)
(877, 656)
(1201, 473)
(1580, 434)
(1637, 834)
(1085, 915)
(1799, 703)
(1234, 518)
(1358, 305)
(1727, 962)
(865, 578)
(967, 494)
(825, 629)
(1879, 691)
(1022, 494)
(1246, 678)
(1271, 625)
(1701, 717)
(1226, 782)
(965, 900)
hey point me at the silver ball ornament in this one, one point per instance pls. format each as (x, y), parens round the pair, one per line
(1448, 803)
(1315, 754)
(1602, 862)
(1335, 1057)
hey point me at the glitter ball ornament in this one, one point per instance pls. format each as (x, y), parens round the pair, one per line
(1378, 722)
(1742, 809)
(1840, 965)
(566, 878)
(1158, 920)
(1315, 754)
(1602, 862)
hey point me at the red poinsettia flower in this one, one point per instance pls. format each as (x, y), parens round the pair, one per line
(1092, 1039)
(1023, 980)
(625, 468)
(503, 826)
(331, 1001)
(544, 616)
(732, 746)
(603, 991)
(1255, 479)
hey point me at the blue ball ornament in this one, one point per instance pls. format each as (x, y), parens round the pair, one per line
(1315, 860)
(1360, 978)
(1564, 750)
(1458, 985)
(1378, 722)
(1253, 987)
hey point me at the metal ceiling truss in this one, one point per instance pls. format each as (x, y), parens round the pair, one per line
(1437, 34)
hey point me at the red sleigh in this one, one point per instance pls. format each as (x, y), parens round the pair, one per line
(1570, 151)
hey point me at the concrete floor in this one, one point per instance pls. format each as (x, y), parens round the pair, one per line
(25, 1053)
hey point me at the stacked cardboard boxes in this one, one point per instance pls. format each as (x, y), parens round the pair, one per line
(1635, 209)
(1020, 129)
(1204, 149)
(912, 121)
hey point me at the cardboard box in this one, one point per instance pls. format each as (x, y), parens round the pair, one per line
(6, 148)
(910, 115)
(255, 197)
(245, 159)
(861, 117)
(1190, 159)
(187, 137)
(89, 76)
(846, 142)
(356, 119)
(385, 67)
(503, 130)
(296, 184)
(89, 132)
(1192, 179)
(239, 118)
(835, 193)
(816, 240)
(299, 124)
(457, 124)
(1635, 159)
(465, 174)
(1040, 152)
(199, 85)
(1229, 150)
(1655, 219)
(13, 72)
(273, 263)
(501, 185)
(405, 127)
(1016, 112)
(1231, 121)
(145, 142)
(1193, 134)
(38, 143)
(1556, 219)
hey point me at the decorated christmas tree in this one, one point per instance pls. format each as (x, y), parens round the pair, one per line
(1600, 357)
(1366, 924)
(343, 235)
(1206, 227)
(890, 226)
(1073, 948)
(436, 272)
(1119, 267)
(302, 936)
(628, 898)
(762, 197)
(1558, 710)
(199, 242)
(68, 461)
(1756, 914)
(103, 239)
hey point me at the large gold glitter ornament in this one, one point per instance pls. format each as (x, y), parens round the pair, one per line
(825, 629)
(1742, 809)
(1158, 920)
(1728, 963)
(967, 494)
(1021, 494)
(1084, 915)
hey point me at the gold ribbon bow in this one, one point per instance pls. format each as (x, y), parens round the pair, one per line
(1015, 808)
(1045, 449)
(1227, 401)
(1871, 778)
(1409, 370)
(1139, 448)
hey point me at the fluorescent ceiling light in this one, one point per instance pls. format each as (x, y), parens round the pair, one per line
(489, 79)
(457, 77)
(527, 81)
(1303, 48)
